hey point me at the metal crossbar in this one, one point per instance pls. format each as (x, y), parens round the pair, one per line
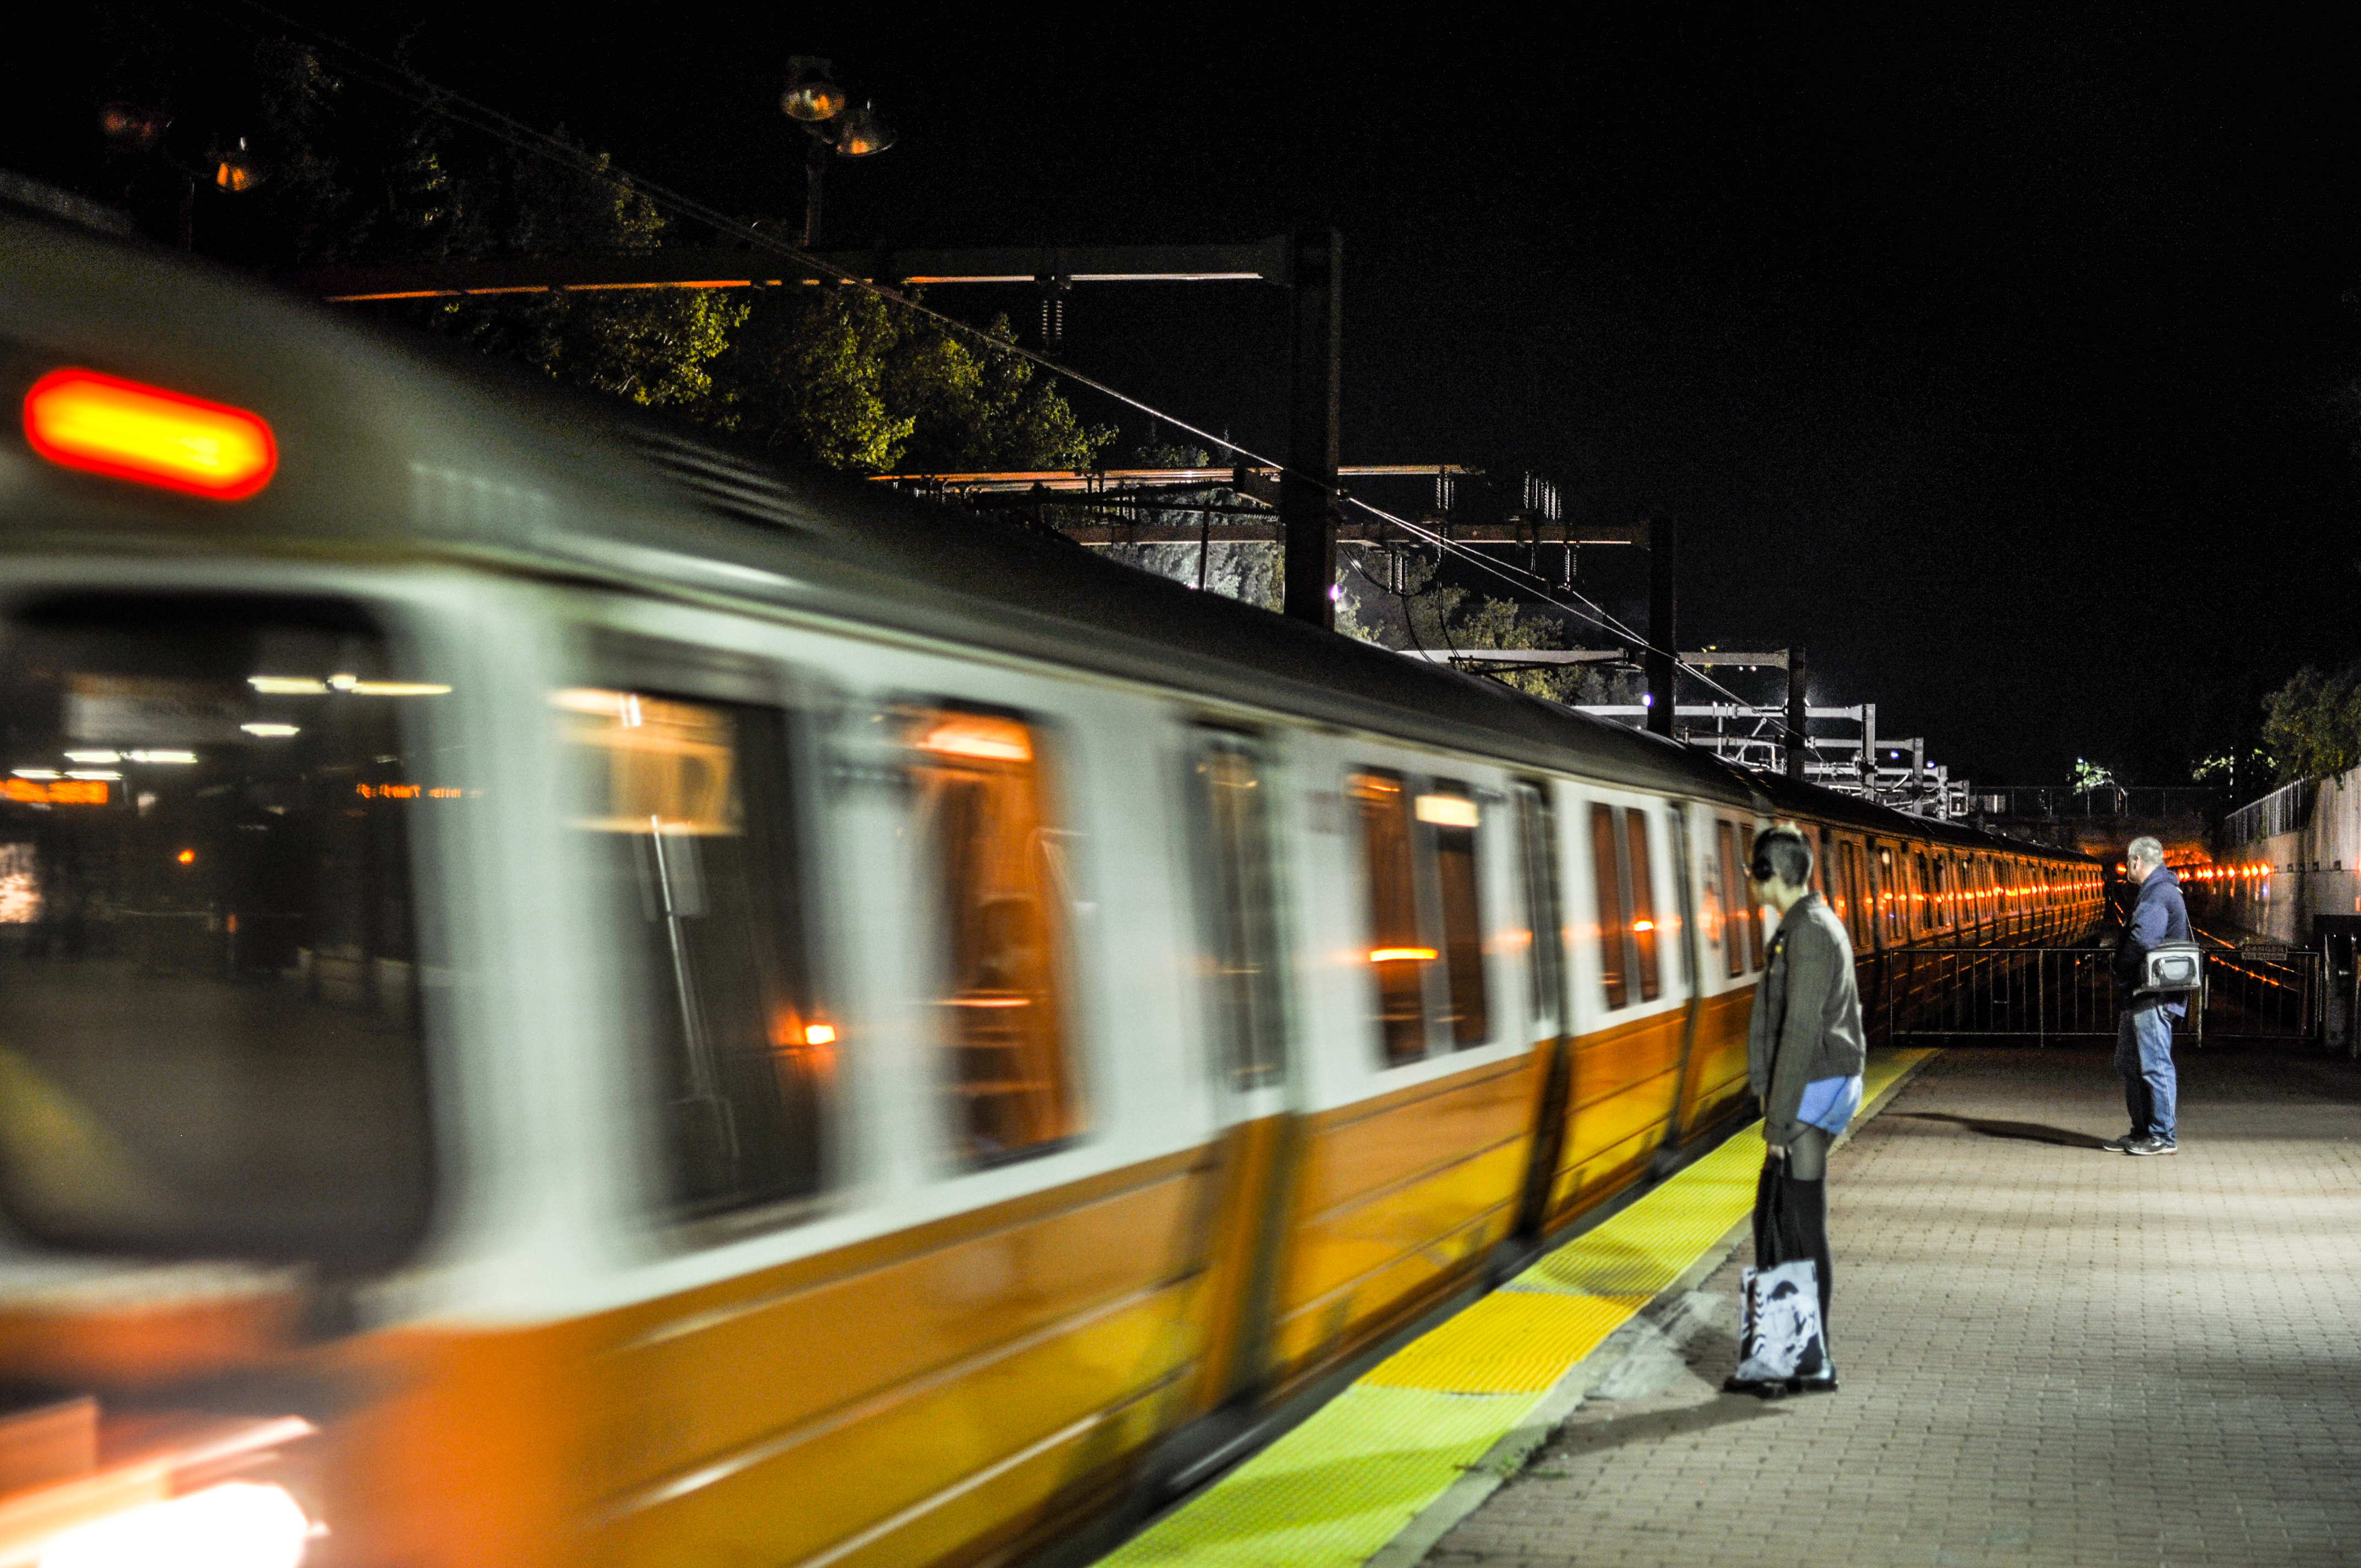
(2046, 994)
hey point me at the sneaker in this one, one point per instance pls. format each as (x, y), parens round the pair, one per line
(2153, 1145)
(2123, 1144)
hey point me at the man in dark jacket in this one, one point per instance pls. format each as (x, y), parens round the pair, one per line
(1804, 1058)
(2144, 1021)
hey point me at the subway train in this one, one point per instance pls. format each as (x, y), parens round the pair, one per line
(570, 996)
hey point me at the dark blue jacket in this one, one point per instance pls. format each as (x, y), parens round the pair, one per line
(2157, 916)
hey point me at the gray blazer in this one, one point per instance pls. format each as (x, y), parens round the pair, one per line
(1806, 1021)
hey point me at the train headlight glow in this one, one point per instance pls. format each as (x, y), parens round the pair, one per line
(236, 1525)
(103, 424)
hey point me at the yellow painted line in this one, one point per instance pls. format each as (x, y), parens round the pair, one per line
(1332, 1492)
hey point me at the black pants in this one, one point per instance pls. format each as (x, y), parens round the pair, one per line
(1791, 1213)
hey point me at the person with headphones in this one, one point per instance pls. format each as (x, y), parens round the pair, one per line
(1804, 1059)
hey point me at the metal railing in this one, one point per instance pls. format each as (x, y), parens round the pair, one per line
(2283, 810)
(2254, 992)
(2056, 801)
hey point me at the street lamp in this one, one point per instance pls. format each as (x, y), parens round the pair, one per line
(141, 130)
(817, 105)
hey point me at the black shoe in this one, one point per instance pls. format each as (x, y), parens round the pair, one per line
(2123, 1144)
(1760, 1390)
(2153, 1145)
(1820, 1383)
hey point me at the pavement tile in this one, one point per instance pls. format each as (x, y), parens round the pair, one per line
(2051, 1354)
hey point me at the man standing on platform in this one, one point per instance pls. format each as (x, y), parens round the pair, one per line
(1804, 1060)
(2144, 1021)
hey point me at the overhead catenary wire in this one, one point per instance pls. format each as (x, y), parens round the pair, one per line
(435, 99)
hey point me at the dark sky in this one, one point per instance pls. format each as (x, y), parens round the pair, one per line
(2001, 363)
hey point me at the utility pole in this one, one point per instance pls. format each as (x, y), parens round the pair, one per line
(1663, 634)
(1307, 490)
(1798, 754)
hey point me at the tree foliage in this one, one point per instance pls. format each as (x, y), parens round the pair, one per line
(358, 175)
(2312, 726)
(1444, 618)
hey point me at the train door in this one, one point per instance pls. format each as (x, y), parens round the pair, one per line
(1241, 963)
(1714, 1069)
(1628, 1007)
(1417, 1121)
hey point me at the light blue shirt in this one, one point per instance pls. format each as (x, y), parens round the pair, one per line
(1829, 1103)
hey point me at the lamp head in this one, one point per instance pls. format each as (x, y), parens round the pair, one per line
(862, 133)
(238, 171)
(810, 96)
(129, 126)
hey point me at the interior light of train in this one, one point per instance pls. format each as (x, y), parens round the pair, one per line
(106, 773)
(398, 688)
(988, 740)
(96, 759)
(819, 1034)
(272, 731)
(1401, 955)
(53, 791)
(238, 1522)
(989, 1002)
(103, 425)
(37, 772)
(287, 686)
(1447, 811)
(170, 757)
(1643, 925)
(187, 857)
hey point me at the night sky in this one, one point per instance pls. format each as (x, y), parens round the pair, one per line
(2006, 366)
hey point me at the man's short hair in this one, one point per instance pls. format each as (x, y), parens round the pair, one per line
(2145, 849)
(1787, 852)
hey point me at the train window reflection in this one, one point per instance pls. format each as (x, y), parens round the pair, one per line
(690, 804)
(1606, 862)
(1003, 887)
(1240, 911)
(210, 956)
(1397, 952)
(1454, 822)
(1733, 954)
(1753, 900)
(1643, 902)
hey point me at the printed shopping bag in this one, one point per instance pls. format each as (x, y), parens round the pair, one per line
(1781, 1338)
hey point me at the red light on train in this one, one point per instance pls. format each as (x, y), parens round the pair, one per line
(103, 424)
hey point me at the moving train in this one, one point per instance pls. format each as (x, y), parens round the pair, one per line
(569, 996)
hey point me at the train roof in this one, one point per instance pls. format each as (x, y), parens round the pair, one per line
(395, 445)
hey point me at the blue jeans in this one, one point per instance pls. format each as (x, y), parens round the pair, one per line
(2144, 1060)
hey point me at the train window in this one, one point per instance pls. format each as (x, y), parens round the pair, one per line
(1397, 950)
(1889, 903)
(1240, 910)
(1606, 862)
(1856, 911)
(1733, 943)
(1643, 902)
(1753, 900)
(211, 1041)
(1537, 850)
(1453, 817)
(1939, 892)
(1004, 889)
(687, 802)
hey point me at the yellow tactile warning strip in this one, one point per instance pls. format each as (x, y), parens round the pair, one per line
(1332, 1492)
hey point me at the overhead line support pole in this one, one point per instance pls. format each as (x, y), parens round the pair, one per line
(1307, 491)
(1663, 634)
(1798, 752)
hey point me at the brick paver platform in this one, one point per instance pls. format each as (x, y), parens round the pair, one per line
(2051, 1354)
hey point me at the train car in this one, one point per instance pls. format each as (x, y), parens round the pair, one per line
(569, 996)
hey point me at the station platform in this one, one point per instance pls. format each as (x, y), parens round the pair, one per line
(2049, 1352)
